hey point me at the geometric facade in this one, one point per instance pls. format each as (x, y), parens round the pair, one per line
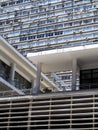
(17, 74)
(34, 26)
(60, 111)
(38, 26)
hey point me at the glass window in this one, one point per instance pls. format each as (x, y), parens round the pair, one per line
(77, 30)
(77, 2)
(50, 27)
(50, 14)
(25, 25)
(77, 9)
(77, 37)
(68, 24)
(42, 22)
(59, 13)
(42, 15)
(24, 31)
(41, 29)
(95, 19)
(11, 3)
(50, 7)
(87, 28)
(21, 82)
(87, 21)
(87, 1)
(68, 4)
(52, 41)
(2, 11)
(95, 27)
(23, 38)
(95, 35)
(69, 17)
(68, 32)
(76, 16)
(4, 70)
(49, 34)
(31, 37)
(41, 9)
(33, 24)
(33, 11)
(1, 29)
(33, 30)
(40, 36)
(87, 14)
(59, 6)
(59, 26)
(60, 40)
(69, 11)
(8, 28)
(77, 23)
(3, 4)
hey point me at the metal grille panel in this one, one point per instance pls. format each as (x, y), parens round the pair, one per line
(73, 111)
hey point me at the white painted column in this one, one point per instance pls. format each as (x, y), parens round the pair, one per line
(12, 73)
(74, 73)
(36, 86)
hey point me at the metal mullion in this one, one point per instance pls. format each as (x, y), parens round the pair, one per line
(49, 122)
(71, 103)
(93, 111)
(9, 119)
(29, 114)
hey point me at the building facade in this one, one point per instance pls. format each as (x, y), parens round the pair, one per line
(40, 25)
(60, 111)
(18, 75)
(46, 24)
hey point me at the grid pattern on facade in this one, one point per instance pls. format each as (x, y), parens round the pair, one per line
(19, 81)
(42, 25)
(71, 111)
(39, 25)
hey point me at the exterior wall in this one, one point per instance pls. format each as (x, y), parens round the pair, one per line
(32, 26)
(61, 111)
(46, 24)
(25, 69)
(18, 81)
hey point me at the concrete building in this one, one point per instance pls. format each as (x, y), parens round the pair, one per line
(41, 25)
(56, 36)
(82, 60)
(18, 75)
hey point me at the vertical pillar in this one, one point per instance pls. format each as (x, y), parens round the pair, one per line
(74, 73)
(0, 67)
(36, 86)
(33, 84)
(12, 74)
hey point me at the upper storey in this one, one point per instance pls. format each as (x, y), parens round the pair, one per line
(46, 24)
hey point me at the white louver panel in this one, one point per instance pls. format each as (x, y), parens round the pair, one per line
(74, 111)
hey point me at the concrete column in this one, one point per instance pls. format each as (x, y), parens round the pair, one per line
(74, 73)
(33, 85)
(0, 67)
(36, 86)
(12, 73)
